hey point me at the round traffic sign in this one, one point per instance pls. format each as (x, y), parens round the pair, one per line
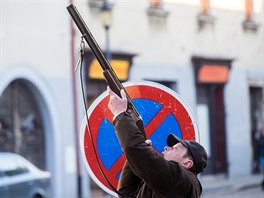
(163, 112)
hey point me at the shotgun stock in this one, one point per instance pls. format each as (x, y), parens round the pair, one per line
(109, 74)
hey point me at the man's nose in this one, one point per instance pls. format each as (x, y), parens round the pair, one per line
(166, 148)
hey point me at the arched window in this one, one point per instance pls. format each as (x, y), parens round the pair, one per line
(21, 128)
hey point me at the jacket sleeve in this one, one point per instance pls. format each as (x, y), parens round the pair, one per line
(128, 183)
(144, 161)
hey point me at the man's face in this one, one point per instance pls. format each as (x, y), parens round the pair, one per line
(175, 153)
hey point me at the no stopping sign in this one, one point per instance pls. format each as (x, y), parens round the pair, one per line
(163, 112)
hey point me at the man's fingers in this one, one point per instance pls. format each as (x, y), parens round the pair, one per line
(123, 94)
(111, 93)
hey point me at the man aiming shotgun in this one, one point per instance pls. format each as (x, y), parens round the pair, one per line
(146, 173)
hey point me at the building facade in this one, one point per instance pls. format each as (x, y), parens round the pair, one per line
(210, 52)
(37, 108)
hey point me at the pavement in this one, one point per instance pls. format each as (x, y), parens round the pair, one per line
(220, 186)
(211, 183)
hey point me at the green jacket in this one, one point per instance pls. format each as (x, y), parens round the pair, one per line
(146, 173)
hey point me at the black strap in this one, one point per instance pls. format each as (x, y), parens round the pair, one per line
(80, 62)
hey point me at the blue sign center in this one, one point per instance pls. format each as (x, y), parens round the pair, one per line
(109, 148)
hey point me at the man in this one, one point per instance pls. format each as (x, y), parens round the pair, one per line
(146, 173)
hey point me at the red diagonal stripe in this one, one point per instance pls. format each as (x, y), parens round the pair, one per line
(156, 121)
(117, 166)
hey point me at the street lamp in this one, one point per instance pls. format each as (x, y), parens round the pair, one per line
(106, 17)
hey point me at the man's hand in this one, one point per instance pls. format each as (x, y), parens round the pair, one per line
(148, 142)
(116, 104)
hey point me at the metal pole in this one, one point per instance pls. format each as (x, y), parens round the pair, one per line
(107, 43)
(75, 108)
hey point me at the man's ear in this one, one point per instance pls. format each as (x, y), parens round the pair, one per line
(188, 164)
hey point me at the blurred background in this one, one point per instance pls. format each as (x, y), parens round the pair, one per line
(209, 51)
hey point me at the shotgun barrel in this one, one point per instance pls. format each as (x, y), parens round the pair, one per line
(109, 74)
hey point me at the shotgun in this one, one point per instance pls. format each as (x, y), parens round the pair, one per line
(108, 72)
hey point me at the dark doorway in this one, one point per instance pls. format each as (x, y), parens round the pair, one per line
(213, 97)
(21, 128)
(256, 118)
(211, 75)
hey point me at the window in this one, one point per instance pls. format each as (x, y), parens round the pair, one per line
(16, 171)
(249, 23)
(204, 7)
(205, 17)
(248, 9)
(156, 9)
(155, 3)
(13, 166)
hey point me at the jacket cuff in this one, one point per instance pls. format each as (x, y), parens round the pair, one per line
(119, 117)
